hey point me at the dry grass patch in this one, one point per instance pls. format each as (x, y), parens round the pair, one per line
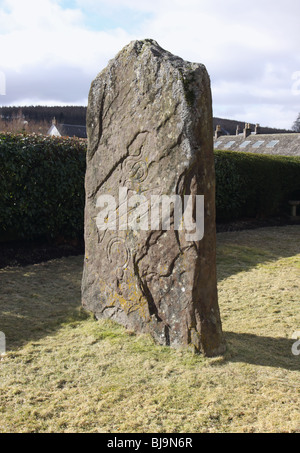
(65, 372)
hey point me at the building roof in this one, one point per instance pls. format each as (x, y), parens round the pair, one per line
(274, 144)
(67, 130)
(53, 131)
(72, 130)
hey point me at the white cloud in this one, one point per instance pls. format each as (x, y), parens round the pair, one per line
(37, 14)
(47, 55)
(116, 5)
(250, 51)
(42, 32)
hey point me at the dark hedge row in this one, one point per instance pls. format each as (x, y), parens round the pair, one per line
(42, 186)
(254, 185)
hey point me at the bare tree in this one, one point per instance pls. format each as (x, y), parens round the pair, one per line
(296, 125)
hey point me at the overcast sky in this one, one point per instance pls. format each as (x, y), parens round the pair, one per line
(51, 50)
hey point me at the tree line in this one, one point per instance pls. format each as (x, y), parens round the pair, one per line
(76, 115)
(63, 115)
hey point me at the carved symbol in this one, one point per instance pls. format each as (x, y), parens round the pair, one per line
(122, 250)
(135, 167)
(138, 171)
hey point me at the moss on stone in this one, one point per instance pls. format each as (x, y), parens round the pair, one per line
(187, 80)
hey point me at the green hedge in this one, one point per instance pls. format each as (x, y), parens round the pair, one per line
(41, 186)
(254, 185)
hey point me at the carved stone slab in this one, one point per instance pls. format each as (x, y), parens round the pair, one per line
(150, 135)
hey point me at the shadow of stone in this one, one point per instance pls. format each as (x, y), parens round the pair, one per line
(36, 300)
(25, 253)
(262, 351)
(243, 250)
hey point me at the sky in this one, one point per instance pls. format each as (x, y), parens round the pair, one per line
(51, 50)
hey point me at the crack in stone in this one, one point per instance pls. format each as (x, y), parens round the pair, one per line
(100, 131)
(171, 267)
(148, 245)
(153, 310)
(111, 103)
(108, 175)
(171, 115)
(116, 165)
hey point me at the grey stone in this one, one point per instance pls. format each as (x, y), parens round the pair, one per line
(149, 125)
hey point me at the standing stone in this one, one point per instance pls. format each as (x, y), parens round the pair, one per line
(149, 124)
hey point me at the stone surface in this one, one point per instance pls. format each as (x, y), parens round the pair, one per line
(149, 124)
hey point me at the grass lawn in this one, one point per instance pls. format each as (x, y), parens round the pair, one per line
(65, 372)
